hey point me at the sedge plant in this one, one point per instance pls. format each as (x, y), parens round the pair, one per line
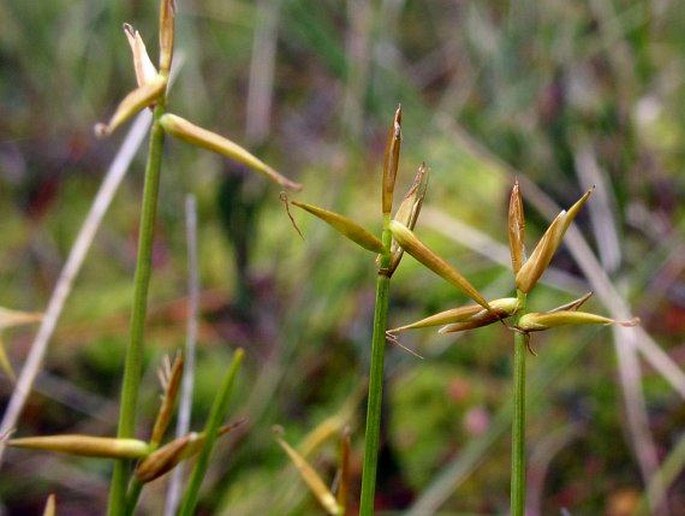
(511, 310)
(151, 93)
(389, 254)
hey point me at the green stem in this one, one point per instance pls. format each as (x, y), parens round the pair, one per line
(373, 410)
(216, 415)
(518, 427)
(134, 353)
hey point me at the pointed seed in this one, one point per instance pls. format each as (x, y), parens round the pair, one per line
(195, 135)
(391, 160)
(517, 224)
(536, 321)
(406, 238)
(85, 445)
(345, 226)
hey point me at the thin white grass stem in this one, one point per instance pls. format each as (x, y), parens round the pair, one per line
(358, 51)
(77, 255)
(185, 404)
(262, 66)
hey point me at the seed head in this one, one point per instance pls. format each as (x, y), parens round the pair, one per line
(531, 271)
(391, 160)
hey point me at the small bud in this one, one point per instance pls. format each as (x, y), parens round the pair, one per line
(517, 224)
(171, 380)
(499, 309)
(85, 445)
(50, 506)
(423, 254)
(312, 479)
(539, 260)
(391, 160)
(345, 226)
(145, 70)
(167, 12)
(191, 133)
(409, 210)
(535, 321)
(138, 99)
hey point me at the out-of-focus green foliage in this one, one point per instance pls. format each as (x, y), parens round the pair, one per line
(486, 89)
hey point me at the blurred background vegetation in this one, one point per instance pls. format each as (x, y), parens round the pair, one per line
(566, 94)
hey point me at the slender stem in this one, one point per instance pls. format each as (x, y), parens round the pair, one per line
(373, 411)
(134, 353)
(216, 416)
(518, 425)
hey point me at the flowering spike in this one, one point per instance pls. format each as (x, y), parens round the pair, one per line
(167, 11)
(145, 70)
(191, 133)
(406, 238)
(391, 160)
(517, 224)
(324, 495)
(499, 309)
(535, 266)
(409, 210)
(85, 445)
(539, 260)
(536, 321)
(140, 98)
(345, 226)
